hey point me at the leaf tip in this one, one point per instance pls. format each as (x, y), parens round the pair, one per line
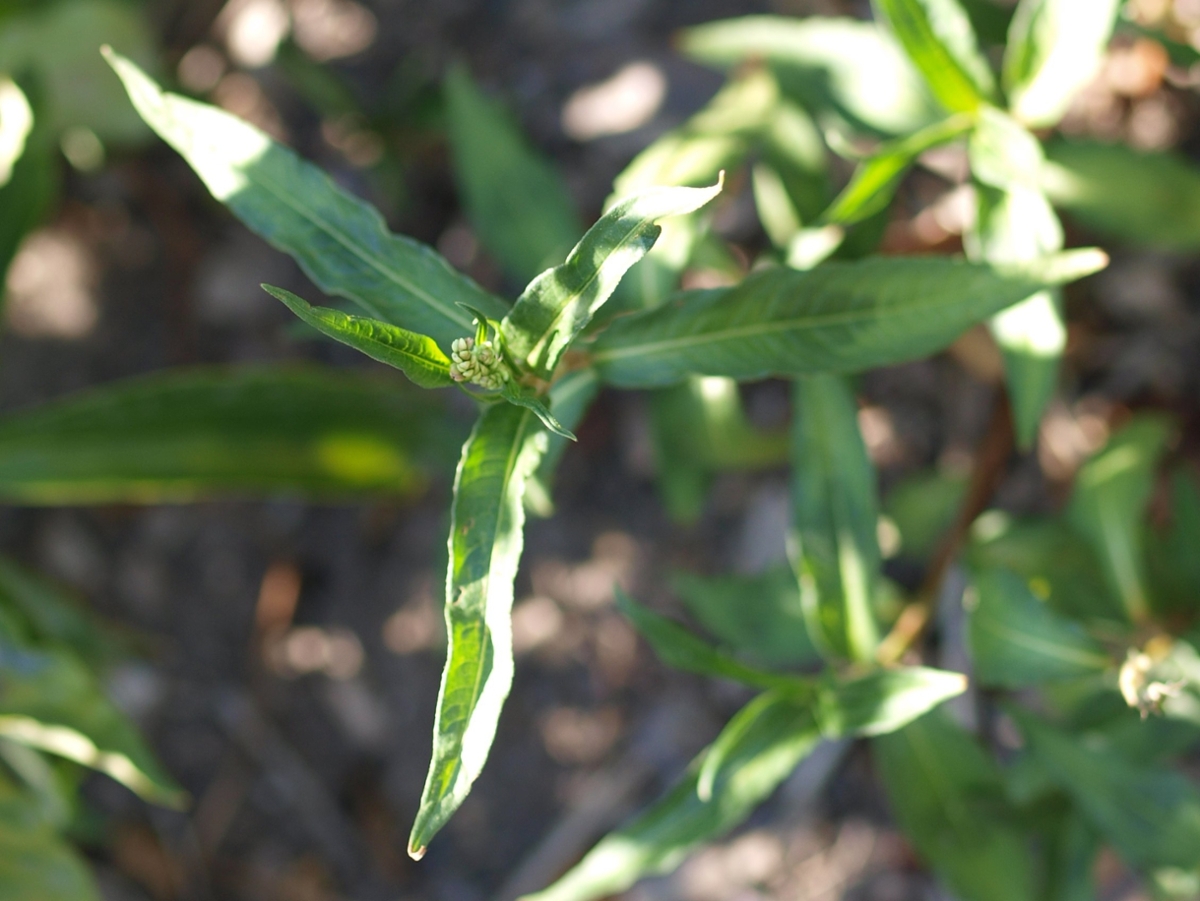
(416, 852)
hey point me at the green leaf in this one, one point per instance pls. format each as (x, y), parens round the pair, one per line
(417, 356)
(560, 302)
(849, 73)
(16, 122)
(922, 506)
(51, 616)
(1015, 224)
(338, 240)
(883, 701)
(659, 838)
(1055, 47)
(939, 39)
(199, 433)
(1151, 816)
(840, 317)
(1109, 501)
(35, 863)
(876, 179)
(486, 525)
(517, 202)
(948, 797)
(525, 397)
(49, 700)
(1141, 198)
(1017, 640)
(758, 616)
(571, 396)
(835, 512)
(681, 649)
(29, 195)
(1173, 567)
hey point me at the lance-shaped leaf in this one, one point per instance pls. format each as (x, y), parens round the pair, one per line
(847, 72)
(36, 864)
(49, 700)
(1145, 199)
(1150, 815)
(835, 512)
(1109, 501)
(570, 398)
(560, 302)
(215, 432)
(948, 797)
(518, 204)
(1017, 640)
(487, 518)
(883, 701)
(340, 241)
(840, 317)
(1055, 47)
(1015, 224)
(939, 39)
(685, 651)
(525, 397)
(877, 177)
(417, 356)
(780, 735)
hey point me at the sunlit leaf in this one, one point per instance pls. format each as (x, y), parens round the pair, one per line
(517, 202)
(883, 701)
(840, 317)
(190, 434)
(340, 241)
(486, 525)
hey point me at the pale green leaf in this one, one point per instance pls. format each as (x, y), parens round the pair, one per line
(947, 796)
(1055, 47)
(201, 433)
(417, 356)
(36, 864)
(835, 511)
(16, 121)
(517, 202)
(1109, 501)
(840, 317)
(847, 72)
(1018, 640)
(883, 701)
(340, 241)
(939, 39)
(560, 302)
(487, 518)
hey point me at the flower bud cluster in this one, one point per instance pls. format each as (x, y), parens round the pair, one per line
(477, 363)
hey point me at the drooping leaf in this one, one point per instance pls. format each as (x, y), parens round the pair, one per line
(36, 864)
(486, 525)
(525, 397)
(515, 199)
(417, 356)
(1109, 501)
(560, 302)
(659, 838)
(883, 701)
(847, 72)
(948, 797)
(1150, 815)
(939, 39)
(1141, 198)
(840, 317)
(190, 434)
(339, 241)
(835, 511)
(1015, 223)
(1055, 47)
(878, 176)
(758, 616)
(49, 700)
(1017, 640)
(570, 397)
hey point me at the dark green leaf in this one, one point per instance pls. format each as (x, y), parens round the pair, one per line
(939, 39)
(211, 432)
(51, 616)
(340, 241)
(486, 525)
(1173, 566)
(922, 506)
(417, 356)
(840, 317)
(843, 70)
(29, 195)
(559, 303)
(1017, 640)
(524, 397)
(835, 512)
(517, 202)
(1055, 47)
(1109, 501)
(948, 797)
